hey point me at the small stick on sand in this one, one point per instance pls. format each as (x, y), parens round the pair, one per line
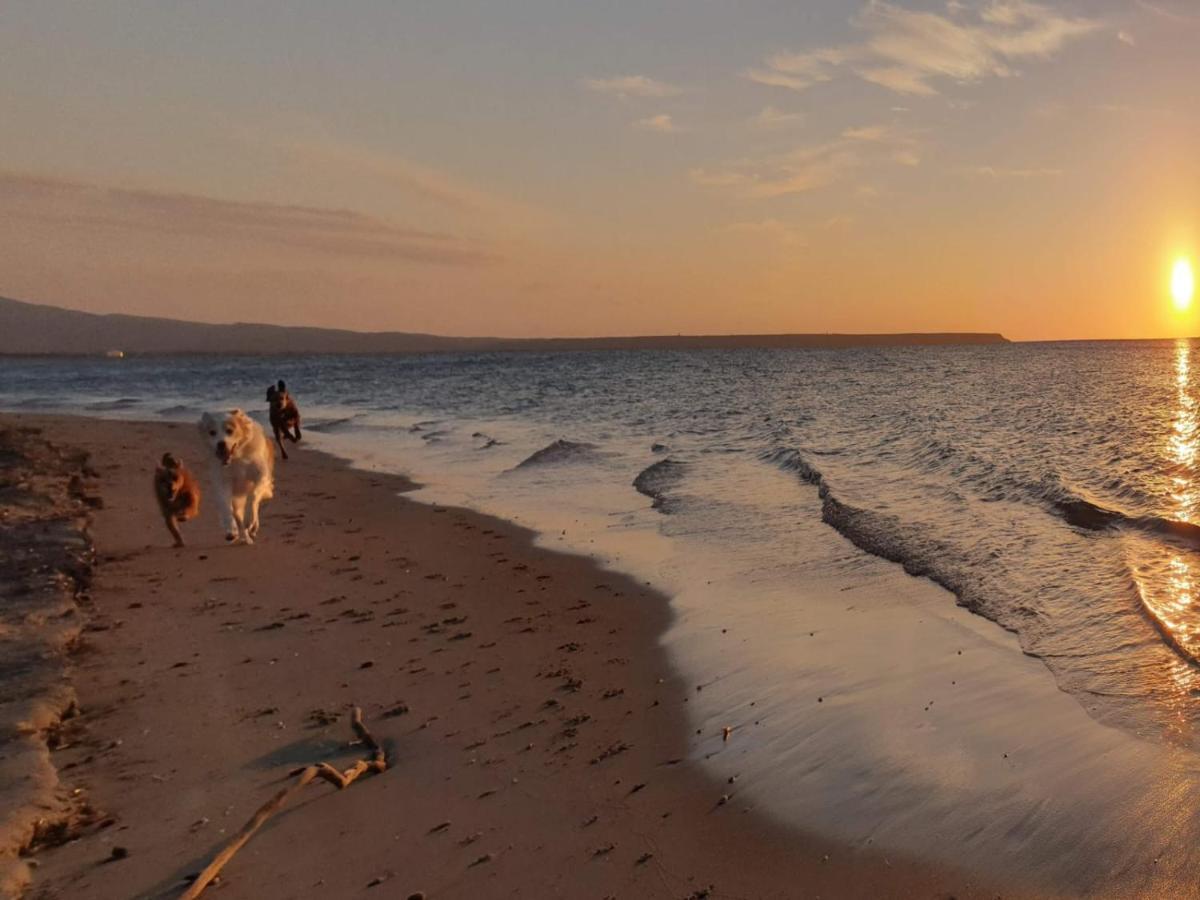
(376, 763)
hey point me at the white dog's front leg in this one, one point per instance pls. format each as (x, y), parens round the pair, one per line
(225, 509)
(239, 517)
(255, 499)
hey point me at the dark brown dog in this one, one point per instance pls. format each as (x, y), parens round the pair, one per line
(285, 416)
(178, 494)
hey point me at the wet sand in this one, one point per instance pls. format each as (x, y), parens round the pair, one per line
(537, 737)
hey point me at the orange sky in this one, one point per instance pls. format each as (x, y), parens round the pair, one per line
(551, 168)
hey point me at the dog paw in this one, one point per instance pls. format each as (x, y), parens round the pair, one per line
(231, 537)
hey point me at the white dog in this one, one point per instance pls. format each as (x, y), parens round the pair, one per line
(243, 471)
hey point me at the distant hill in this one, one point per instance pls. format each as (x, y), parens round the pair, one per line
(31, 329)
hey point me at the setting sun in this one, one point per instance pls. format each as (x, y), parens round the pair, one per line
(1182, 284)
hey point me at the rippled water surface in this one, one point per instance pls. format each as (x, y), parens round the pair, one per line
(1050, 487)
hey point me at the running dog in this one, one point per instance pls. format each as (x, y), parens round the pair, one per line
(285, 415)
(243, 471)
(177, 493)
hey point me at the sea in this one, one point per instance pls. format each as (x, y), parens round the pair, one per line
(946, 597)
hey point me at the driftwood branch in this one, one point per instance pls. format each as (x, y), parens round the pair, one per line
(376, 763)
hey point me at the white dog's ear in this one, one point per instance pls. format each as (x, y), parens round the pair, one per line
(239, 416)
(206, 423)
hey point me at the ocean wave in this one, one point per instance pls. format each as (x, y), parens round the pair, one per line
(1085, 514)
(921, 554)
(879, 534)
(113, 405)
(992, 481)
(488, 442)
(560, 451)
(657, 478)
(1125, 501)
(1075, 510)
(1186, 532)
(1167, 629)
(1092, 516)
(329, 425)
(179, 411)
(792, 461)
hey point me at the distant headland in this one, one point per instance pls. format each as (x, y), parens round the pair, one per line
(30, 329)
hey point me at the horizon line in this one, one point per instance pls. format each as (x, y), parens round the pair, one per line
(599, 337)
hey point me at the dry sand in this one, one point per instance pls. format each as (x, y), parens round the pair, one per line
(537, 736)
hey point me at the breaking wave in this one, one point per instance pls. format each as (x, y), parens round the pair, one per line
(560, 451)
(1092, 516)
(113, 405)
(879, 534)
(329, 426)
(964, 571)
(657, 478)
(180, 411)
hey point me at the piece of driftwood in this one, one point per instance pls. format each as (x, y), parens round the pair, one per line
(377, 762)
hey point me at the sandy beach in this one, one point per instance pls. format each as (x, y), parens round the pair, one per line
(536, 735)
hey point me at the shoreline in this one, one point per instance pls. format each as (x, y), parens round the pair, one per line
(193, 648)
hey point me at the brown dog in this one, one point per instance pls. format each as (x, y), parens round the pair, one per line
(178, 494)
(285, 416)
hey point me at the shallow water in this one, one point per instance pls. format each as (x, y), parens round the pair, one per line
(1049, 488)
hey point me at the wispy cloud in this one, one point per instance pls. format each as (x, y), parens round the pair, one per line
(801, 170)
(811, 167)
(798, 71)
(908, 51)
(775, 78)
(1171, 13)
(875, 133)
(78, 204)
(632, 86)
(1129, 109)
(662, 124)
(388, 180)
(901, 145)
(772, 117)
(1004, 172)
(772, 230)
(1048, 109)
(413, 178)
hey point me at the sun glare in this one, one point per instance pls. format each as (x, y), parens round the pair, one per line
(1182, 284)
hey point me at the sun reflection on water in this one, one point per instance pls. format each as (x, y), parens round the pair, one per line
(1168, 584)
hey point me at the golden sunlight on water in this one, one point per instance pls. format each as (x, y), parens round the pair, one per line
(1168, 584)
